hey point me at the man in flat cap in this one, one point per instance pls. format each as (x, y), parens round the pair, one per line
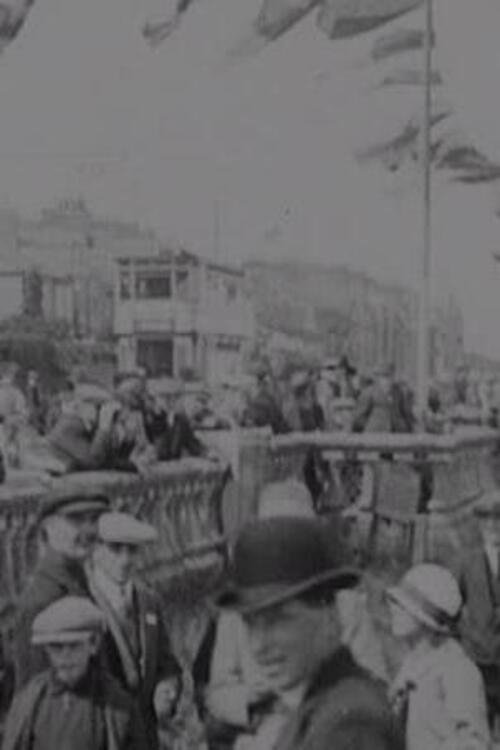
(285, 585)
(137, 648)
(74, 704)
(67, 527)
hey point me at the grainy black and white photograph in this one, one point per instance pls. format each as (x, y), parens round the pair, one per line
(249, 375)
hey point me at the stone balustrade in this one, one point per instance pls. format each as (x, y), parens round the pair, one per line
(181, 499)
(422, 494)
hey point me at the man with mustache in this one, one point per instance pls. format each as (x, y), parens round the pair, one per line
(74, 703)
(67, 526)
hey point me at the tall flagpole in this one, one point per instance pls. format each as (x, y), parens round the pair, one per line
(423, 354)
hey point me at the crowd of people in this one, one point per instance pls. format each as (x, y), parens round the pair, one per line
(137, 422)
(86, 427)
(294, 658)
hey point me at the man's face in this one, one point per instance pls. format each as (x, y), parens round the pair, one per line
(70, 661)
(117, 560)
(290, 640)
(72, 535)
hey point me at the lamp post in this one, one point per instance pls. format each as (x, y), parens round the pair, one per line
(423, 359)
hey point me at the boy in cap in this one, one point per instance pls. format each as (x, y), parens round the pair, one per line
(285, 585)
(137, 648)
(67, 526)
(73, 705)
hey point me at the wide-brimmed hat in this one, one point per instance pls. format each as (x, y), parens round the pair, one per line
(277, 559)
(431, 594)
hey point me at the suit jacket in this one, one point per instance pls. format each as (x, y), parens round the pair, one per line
(344, 704)
(55, 576)
(139, 673)
(172, 441)
(123, 724)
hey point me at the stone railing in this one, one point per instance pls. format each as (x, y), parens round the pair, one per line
(421, 492)
(181, 499)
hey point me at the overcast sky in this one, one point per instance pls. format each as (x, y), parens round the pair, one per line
(162, 136)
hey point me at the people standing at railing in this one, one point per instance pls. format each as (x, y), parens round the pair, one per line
(36, 404)
(73, 704)
(13, 415)
(264, 409)
(384, 405)
(67, 526)
(136, 647)
(168, 427)
(304, 414)
(438, 694)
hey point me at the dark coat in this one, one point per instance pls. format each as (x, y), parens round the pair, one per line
(72, 444)
(139, 673)
(55, 576)
(173, 441)
(123, 724)
(342, 709)
(264, 411)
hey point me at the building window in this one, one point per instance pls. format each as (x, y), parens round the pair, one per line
(231, 291)
(124, 286)
(153, 287)
(182, 285)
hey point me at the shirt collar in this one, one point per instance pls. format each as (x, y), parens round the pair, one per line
(115, 593)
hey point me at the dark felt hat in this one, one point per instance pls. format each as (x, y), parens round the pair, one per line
(277, 559)
(72, 502)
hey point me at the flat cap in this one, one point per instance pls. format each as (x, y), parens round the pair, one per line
(123, 528)
(73, 502)
(66, 620)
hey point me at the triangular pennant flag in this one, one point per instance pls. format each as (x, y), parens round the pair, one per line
(346, 18)
(276, 17)
(160, 27)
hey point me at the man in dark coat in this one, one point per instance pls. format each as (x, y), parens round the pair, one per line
(285, 581)
(74, 703)
(137, 648)
(168, 427)
(264, 409)
(68, 525)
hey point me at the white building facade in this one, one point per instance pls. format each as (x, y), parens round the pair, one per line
(179, 315)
